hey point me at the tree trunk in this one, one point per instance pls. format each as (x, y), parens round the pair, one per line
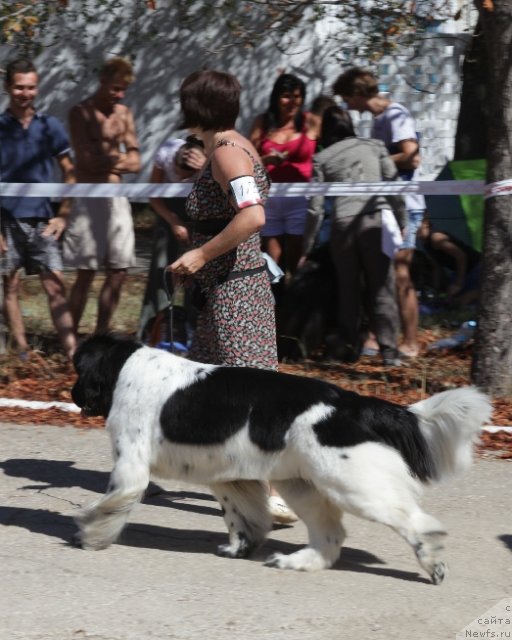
(471, 135)
(492, 355)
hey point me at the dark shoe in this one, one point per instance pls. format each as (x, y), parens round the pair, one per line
(392, 362)
(390, 358)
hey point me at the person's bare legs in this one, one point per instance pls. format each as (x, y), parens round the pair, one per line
(273, 245)
(79, 294)
(13, 310)
(109, 298)
(285, 251)
(407, 302)
(53, 284)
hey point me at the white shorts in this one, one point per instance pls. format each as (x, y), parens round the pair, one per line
(100, 233)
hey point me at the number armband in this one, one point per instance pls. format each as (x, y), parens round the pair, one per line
(244, 191)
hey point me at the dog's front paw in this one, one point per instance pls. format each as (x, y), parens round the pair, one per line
(229, 551)
(307, 559)
(439, 572)
(276, 560)
(241, 548)
(82, 541)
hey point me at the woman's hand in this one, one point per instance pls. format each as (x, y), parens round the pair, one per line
(188, 264)
(181, 233)
(194, 158)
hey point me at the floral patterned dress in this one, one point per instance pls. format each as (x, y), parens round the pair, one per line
(236, 324)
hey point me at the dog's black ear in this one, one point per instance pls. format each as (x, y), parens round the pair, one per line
(98, 362)
(92, 391)
(91, 396)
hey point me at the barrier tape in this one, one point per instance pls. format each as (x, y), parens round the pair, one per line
(501, 188)
(143, 191)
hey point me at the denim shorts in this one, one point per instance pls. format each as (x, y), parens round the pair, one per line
(28, 248)
(414, 220)
(285, 216)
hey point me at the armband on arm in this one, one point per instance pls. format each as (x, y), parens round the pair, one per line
(244, 191)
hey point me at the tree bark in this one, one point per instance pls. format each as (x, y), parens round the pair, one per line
(471, 135)
(492, 355)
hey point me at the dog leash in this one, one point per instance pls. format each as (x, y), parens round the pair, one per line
(170, 300)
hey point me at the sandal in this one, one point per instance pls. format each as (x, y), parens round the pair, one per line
(408, 356)
(280, 511)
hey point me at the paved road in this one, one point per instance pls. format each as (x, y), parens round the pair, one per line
(164, 581)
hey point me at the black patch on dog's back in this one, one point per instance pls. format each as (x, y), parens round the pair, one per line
(214, 408)
(361, 419)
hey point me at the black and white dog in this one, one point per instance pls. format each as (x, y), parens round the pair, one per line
(327, 451)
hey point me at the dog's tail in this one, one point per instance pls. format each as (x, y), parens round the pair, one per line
(450, 423)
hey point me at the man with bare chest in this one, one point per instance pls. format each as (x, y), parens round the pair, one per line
(100, 231)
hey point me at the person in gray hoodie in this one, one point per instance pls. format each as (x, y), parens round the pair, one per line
(364, 272)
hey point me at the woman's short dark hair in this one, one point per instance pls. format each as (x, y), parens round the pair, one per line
(336, 125)
(21, 65)
(210, 100)
(286, 83)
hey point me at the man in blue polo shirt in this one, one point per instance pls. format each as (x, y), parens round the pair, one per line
(30, 142)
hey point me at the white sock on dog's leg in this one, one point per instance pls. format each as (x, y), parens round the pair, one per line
(323, 520)
(101, 523)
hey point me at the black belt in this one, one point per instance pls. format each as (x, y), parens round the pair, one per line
(209, 227)
(234, 275)
(199, 296)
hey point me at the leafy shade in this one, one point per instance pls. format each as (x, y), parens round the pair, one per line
(368, 29)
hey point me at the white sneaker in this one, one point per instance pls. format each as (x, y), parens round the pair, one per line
(280, 511)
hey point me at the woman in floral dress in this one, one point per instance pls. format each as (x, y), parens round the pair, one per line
(236, 324)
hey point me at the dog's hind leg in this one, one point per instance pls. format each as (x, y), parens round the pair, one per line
(102, 522)
(244, 506)
(426, 536)
(377, 485)
(422, 531)
(323, 520)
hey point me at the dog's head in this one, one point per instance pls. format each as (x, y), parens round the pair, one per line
(98, 361)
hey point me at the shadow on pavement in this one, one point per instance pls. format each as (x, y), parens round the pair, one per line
(181, 500)
(507, 540)
(43, 521)
(54, 473)
(144, 536)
